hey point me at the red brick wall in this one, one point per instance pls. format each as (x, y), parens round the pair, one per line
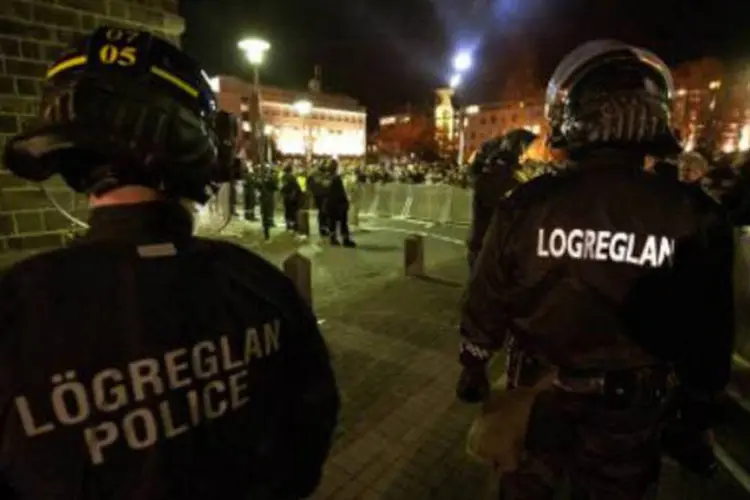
(32, 32)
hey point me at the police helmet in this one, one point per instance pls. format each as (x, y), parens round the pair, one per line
(606, 92)
(123, 107)
(503, 150)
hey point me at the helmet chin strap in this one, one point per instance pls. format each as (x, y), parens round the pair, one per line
(75, 220)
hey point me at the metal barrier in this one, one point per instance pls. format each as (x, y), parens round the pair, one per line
(437, 203)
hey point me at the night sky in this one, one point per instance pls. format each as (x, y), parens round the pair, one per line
(389, 52)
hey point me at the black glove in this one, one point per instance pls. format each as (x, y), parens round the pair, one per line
(473, 385)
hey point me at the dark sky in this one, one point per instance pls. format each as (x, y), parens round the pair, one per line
(389, 52)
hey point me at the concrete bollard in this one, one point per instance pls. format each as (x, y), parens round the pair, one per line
(414, 255)
(298, 268)
(303, 222)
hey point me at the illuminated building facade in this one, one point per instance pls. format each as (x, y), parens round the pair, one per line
(335, 126)
(445, 120)
(394, 120)
(486, 121)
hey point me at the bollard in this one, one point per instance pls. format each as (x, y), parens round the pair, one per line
(414, 255)
(298, 268)
(303, 222)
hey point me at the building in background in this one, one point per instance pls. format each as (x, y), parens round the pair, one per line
(486, 121)
(334, 126)
(445, 120)
(407, 134)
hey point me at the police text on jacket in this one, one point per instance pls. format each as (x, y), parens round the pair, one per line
(606, 246)
(152, 399)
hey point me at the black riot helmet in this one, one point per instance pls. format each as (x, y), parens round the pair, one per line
(607, 93)
(505, 150)
(123, 107)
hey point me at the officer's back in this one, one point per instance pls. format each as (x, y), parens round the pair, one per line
(143, 362)
(573, 226)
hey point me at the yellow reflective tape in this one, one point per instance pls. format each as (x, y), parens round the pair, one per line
(67, 64)
(177, 82)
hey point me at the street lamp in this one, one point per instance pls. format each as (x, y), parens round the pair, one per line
(462, 62)
(255, 51)
(304, 108)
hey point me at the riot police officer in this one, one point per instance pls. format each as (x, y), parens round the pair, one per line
(601, 270)
(494, 171)
(319, 183)
(267, 187)
(337, 208)
(249, 191)
(292, 197)
(144, 362)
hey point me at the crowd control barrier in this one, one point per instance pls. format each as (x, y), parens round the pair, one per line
(438, 203)
(444, 204)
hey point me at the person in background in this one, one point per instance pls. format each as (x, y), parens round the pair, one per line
(292, 197)
(337, 208)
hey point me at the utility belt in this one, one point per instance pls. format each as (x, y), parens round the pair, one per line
(621, 388)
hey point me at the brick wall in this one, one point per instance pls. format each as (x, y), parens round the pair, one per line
(32, 33)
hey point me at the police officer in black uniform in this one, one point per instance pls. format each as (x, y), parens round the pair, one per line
(602, 270)
(292, 197)
(337, 208)
(319, 184)
(249, 192)
(267, 187)
(492, 171)
(143, 362)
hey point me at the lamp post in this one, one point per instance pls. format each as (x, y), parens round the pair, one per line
(304, 108)
(462, 62)
(255, 51)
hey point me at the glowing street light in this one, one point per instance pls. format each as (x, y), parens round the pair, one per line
(455, 81)
(255, 50)
(462, 62)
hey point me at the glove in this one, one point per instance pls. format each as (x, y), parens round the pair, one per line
(473, 385)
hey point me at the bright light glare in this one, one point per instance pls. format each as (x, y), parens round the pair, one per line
(255, 49)
(303, 107)
(472, 110)
(462, 62)
(215, 84)
(455, 81)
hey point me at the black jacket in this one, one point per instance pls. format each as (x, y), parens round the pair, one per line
(143, 363)
(605, 266)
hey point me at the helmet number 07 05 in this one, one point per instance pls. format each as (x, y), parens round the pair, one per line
(111, 54)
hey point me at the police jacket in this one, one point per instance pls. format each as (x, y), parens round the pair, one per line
(606, 267)
(337, 197)
(491, 187)
(290, 188)
(143, 363)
